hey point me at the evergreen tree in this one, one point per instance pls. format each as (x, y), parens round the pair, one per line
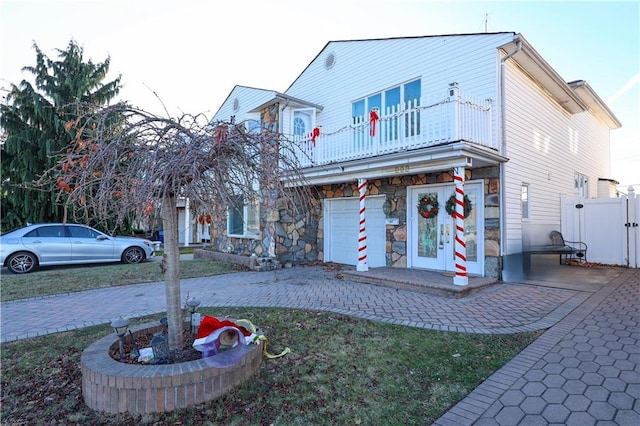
(33, 121)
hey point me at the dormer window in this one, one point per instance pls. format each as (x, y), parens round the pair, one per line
(299, 127)
(303, 121)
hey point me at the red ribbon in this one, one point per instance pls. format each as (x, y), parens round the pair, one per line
(374, 117)
(314, 135)
(221, 134)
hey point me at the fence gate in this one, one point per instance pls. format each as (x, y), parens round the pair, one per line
(609, 227)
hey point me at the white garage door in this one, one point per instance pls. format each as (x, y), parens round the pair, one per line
(341, 226)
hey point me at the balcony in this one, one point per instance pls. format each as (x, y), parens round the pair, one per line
(427, 122)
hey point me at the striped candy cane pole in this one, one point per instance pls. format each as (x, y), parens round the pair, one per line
(460, 242)
(362, 235)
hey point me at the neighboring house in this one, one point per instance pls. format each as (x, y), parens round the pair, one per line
(192, 228)
(404, 114)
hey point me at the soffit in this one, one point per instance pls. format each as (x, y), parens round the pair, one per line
(530, 61)
(287, 101)
(426, 160)
(595, 104)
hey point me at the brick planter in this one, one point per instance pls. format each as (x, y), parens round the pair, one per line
(115, 387)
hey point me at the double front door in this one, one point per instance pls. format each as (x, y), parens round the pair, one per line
(432, 230)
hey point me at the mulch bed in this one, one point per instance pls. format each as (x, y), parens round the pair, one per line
(583, 264)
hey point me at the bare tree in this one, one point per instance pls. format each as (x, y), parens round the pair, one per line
(128, 163)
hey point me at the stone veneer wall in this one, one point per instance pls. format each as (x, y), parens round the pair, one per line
(300, 236)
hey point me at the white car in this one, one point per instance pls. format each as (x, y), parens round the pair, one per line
(24, 250)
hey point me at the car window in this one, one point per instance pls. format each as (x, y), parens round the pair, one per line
(47, 231)
(82, 232)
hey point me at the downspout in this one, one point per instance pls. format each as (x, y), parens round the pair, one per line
(503, 143)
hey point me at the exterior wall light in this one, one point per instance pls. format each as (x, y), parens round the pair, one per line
(386, 207)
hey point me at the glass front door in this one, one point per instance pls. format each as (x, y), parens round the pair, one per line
(431, 237)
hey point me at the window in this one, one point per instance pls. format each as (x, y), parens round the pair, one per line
(47, 232)
(412, 102)
(374, 101)
(402, 97)
(235, 221)
(524, 198)
(357, 120)
(243, 219)
(82, 232)
(299, 129)
(392, 101)
(253, 126)
(302, 122)
(357, 111)
(581, 185)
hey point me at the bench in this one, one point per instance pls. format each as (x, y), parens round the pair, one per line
(567, 250)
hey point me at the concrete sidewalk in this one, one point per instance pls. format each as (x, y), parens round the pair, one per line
(584, 369)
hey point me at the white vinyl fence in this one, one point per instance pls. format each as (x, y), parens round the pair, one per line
(609, 227)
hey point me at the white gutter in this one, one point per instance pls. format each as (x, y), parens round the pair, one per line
(503, 147)
(595, 104)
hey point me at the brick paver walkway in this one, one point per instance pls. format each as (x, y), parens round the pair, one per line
(583, 371)
(503, 308)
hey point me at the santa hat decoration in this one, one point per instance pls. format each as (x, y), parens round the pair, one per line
(210, 324)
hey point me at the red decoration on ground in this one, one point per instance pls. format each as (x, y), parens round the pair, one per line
(210, 324)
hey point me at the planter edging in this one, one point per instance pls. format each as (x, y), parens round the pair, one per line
(116, 387)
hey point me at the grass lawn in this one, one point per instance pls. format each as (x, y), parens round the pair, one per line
(341, 370)
(56, 280)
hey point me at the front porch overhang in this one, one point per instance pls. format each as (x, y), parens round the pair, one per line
(288, 101)
(410, 162)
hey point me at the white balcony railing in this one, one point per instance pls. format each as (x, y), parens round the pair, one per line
(424, 123)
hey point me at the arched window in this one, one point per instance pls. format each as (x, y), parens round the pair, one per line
(299, 127)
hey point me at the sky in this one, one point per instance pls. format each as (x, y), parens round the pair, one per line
(185, 56)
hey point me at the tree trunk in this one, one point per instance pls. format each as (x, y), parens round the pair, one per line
(171, 262)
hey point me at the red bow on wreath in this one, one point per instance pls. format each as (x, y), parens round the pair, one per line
(373, 117)
(428, 207)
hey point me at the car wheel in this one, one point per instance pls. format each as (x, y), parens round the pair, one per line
(133, 255)
(22, 263)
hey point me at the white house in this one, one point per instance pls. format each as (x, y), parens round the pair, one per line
(401, 117)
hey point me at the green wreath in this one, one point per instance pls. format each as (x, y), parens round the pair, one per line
(450, 207)
(428, 206)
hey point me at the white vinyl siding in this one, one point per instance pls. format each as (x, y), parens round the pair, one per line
(363, 68)
(247, 98)
(546, 146)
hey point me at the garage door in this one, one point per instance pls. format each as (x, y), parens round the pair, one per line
(342, 219)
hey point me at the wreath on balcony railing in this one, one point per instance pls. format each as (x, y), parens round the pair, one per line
(450, 207)
(428, 206)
